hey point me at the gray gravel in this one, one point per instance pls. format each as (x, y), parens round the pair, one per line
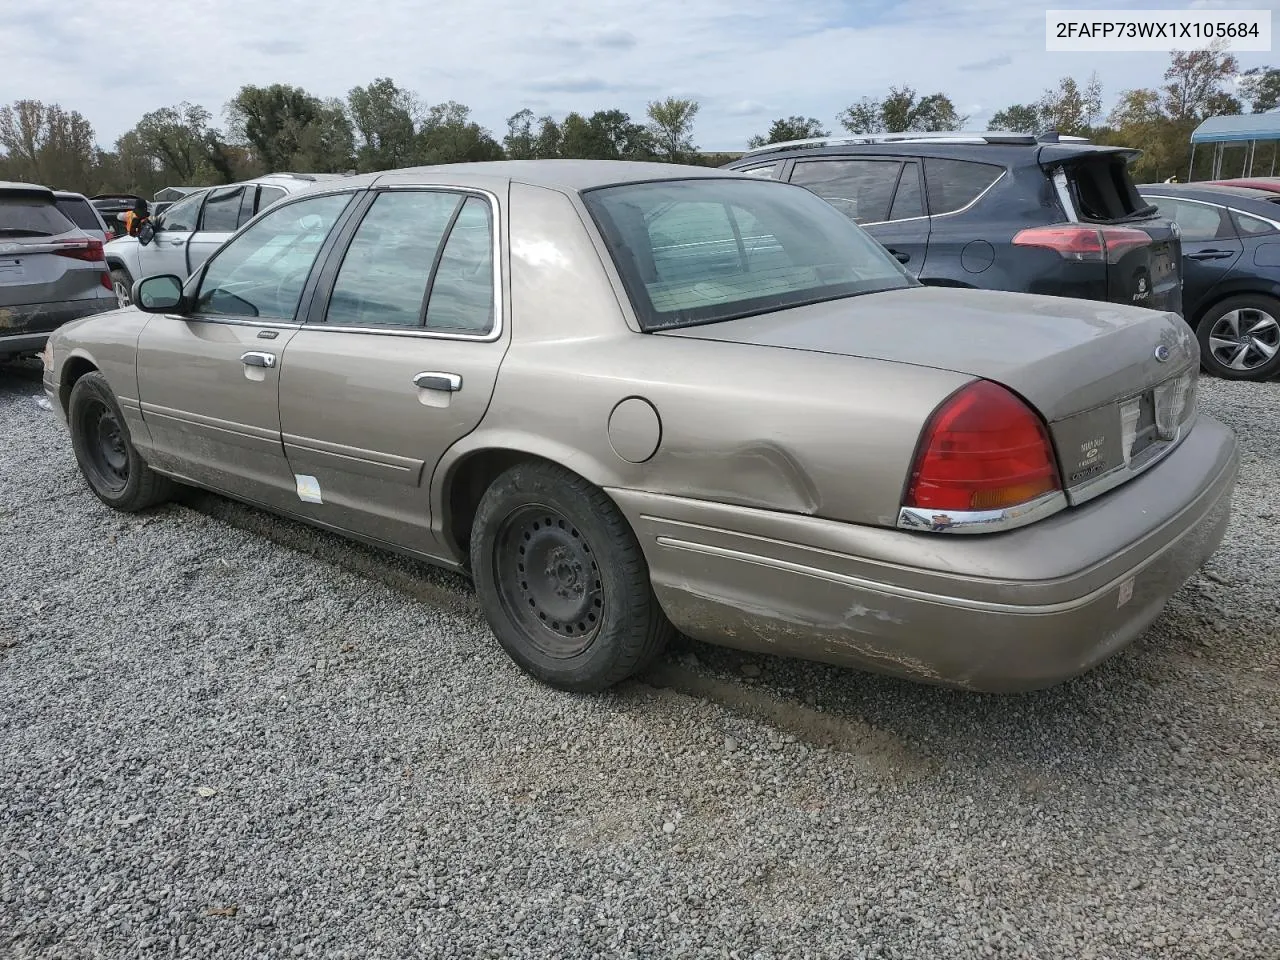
(227, 735)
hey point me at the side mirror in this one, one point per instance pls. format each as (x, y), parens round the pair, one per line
(146, 233)
(162, 294)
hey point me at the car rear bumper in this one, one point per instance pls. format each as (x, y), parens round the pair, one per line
(26, 328)
(1002, 612)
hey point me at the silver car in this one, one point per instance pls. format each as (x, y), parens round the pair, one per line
(77, 208)
(185, 234)
(51, 271)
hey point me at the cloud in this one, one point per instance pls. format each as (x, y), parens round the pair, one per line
(993, 63)
(745, 60)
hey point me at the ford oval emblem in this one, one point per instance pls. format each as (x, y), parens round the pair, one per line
(1162, 354)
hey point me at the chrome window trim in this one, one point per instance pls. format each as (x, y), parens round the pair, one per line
(1004, 172)
(235, 321)
(1221, 206)
(982, 521)
(499, 301)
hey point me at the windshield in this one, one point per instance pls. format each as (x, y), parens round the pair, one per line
(706, 250)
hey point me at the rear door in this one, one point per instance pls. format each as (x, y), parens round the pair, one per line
(963, 248)
(1210, 247)
(219, 219)
(397, 361)
(208, 380)
(884, 195)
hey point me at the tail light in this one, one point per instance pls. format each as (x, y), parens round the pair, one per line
(105, 280)
(984, 449)
(1078, 241)
(88, 250)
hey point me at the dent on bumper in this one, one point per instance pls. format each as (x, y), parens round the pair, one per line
(973, 612)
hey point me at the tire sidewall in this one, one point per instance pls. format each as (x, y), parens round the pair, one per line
(1213, 315)
(590, 668)
(94, 387)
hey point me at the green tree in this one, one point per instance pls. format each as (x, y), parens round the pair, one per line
(270, 120)
(1070, 109)
(901, 111)
(1194, 83)
(1260, 88)
(179, 140)
(521, 143)
(671, 126)
(1018, 118)
(326, 143)
(789, 128)
(384, 118)
(44, 143)
(449, 135)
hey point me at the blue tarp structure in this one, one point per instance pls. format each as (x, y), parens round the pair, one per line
(1245, 130)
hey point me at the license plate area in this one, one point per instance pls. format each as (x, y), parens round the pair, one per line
(11, 271)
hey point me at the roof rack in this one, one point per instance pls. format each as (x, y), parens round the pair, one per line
(295, 176)
(938, 136)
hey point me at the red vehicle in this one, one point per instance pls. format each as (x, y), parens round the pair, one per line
(1270, 184)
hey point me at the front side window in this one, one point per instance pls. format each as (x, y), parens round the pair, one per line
(860, 189)
(384, 273)
(182, 216)
(1197, 221)
(261, 272)
(709, 249)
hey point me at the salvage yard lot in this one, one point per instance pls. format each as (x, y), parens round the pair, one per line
(226, 734)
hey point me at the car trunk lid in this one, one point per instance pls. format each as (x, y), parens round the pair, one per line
(1142, 250)
(1116, 385)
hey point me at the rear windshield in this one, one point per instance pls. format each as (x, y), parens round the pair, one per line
(30, 216)
(706, 250)
(80, 213)
(1104, 191)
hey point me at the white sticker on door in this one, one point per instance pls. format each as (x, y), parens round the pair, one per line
(1126, 593)
(308, 489)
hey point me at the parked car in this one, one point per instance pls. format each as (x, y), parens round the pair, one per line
(997, 211)
(1267, 184)
(50, 270)
(184, 235)
(77, 208)
(629, 398)
(1231, 273)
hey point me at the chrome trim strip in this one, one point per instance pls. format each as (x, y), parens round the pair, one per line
(236, 321)
(408, 466)
(982, 521)
(188, 420)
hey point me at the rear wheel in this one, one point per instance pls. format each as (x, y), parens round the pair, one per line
(122, 284)
(1240, 338)
(112, 467)
(562, 580)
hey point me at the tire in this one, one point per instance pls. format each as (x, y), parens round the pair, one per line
(1236, 334)
(109, 462)
(581, 615)
(122, 284)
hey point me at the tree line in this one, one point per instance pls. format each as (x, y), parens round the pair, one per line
(384, 126)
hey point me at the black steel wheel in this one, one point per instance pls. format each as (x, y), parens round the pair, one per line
(562, 580)
(111, 465)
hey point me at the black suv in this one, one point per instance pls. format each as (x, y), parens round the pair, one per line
(999, 211)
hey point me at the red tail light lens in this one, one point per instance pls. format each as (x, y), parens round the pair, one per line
(1078, 241)
(983, 449)
(105, 280)
(89, 250)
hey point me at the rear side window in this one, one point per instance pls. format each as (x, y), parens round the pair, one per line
(860, 189)
(222, 211)
(1252, 226)
(908, 201)
(762, 170)
(954, 184)
(80, 213)
(1197, 221)
(461, 294)
(268, 195)
(30, 216)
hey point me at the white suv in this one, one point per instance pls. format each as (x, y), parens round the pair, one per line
(195, 226)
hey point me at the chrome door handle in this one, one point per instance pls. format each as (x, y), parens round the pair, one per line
(256, 358)
(431, 380)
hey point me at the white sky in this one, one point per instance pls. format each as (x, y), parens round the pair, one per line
(747, 61)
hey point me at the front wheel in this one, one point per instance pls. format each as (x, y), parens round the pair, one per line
(1240, 338)
(562, 580)
(111, 465)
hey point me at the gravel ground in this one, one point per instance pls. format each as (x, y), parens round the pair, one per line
(227, 735)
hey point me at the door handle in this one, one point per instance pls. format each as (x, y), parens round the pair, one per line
(431, 380)
(1210, 255)
(899, 255)
(256, 358)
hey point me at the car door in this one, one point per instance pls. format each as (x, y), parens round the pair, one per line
(219, 219)
(1210, 247)
(397, 361)
(167, 251)
(967, 247)
(865, 189)
(208, 378)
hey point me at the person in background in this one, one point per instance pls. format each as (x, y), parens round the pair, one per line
(135, 218)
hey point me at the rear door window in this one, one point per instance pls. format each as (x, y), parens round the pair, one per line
(908, 202)
(954, 184)
(79, 212)
(1248, 226)
(222, 211)
(268, 195)
(860, 189)
(31, 216)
